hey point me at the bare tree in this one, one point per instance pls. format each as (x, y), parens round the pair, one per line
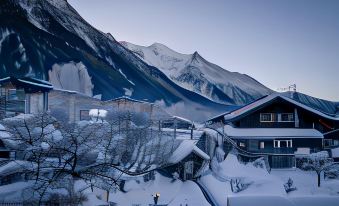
(317, 162)
(98, 152)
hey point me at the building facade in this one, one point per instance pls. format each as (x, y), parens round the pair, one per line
(281, 128)
(23, 95)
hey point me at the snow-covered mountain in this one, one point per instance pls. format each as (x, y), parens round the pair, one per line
(48, 39)
(194, 73)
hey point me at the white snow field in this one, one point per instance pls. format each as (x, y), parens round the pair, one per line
(172, 192)
(267, 188)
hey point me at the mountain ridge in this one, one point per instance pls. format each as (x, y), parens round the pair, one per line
(195, 73)
(40, 39)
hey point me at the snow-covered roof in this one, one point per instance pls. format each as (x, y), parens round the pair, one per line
(182, 119)
(270, 133)
(335, 152)
(4, 134)
(325, 106)
(269, 98)
(36, 82)
(128, 99)
(14, 166)
(28, 83)
(185, 148)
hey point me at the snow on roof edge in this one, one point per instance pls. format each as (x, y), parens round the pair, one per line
(185, 148)
(201, 153)
(36, 84)
(260, 102)
(270, 133)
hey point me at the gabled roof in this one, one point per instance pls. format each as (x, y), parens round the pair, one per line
(29, 84)
(232, 110)
(185, 148)
(325, 106)
(268, 99)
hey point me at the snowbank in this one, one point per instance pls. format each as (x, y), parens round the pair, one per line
(171, 192)
(335, 152)
(261, 182)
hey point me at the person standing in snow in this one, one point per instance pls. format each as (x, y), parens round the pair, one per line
(156, 198)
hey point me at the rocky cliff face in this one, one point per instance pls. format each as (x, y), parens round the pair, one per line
(44, 38)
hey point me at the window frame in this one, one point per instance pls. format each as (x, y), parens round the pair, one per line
(242, 144)
(80, 116)
(267, 113)
(281, 119)
(277, 143)
(261, 145)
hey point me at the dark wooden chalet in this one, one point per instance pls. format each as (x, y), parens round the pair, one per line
(281, 127)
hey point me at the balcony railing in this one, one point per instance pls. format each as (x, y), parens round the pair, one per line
(283, 150)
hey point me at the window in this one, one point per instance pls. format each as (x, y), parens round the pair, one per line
(16, 94)
(287, 117)
(276, 117)
(266, 117)
(262, 145)
(253, 145)
(282, 143)
(188, 172)
(242, 144)
(330, 142)
(84, 115)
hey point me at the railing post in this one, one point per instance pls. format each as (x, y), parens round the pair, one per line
(175, 128)
(192, 132)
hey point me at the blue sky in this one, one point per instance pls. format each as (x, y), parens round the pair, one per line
(277, 42)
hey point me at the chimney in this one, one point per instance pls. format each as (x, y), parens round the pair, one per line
(293, 89)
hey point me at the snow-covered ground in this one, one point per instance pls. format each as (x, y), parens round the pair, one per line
(267, 188)
(172, 192)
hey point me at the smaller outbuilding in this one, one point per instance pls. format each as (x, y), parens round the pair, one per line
(23, 95)
(188, 161)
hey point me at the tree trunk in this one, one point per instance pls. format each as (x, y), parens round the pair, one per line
(107, 198)
(318, 174)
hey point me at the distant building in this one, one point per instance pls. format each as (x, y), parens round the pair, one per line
(281, 127)
(77, 107)
(178, 123)
(23, 95)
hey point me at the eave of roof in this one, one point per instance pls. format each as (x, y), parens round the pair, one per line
(35, 84)
(271, 133)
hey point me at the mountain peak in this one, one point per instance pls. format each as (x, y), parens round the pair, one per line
(195, 73)
(195, 55)
(159, 46)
